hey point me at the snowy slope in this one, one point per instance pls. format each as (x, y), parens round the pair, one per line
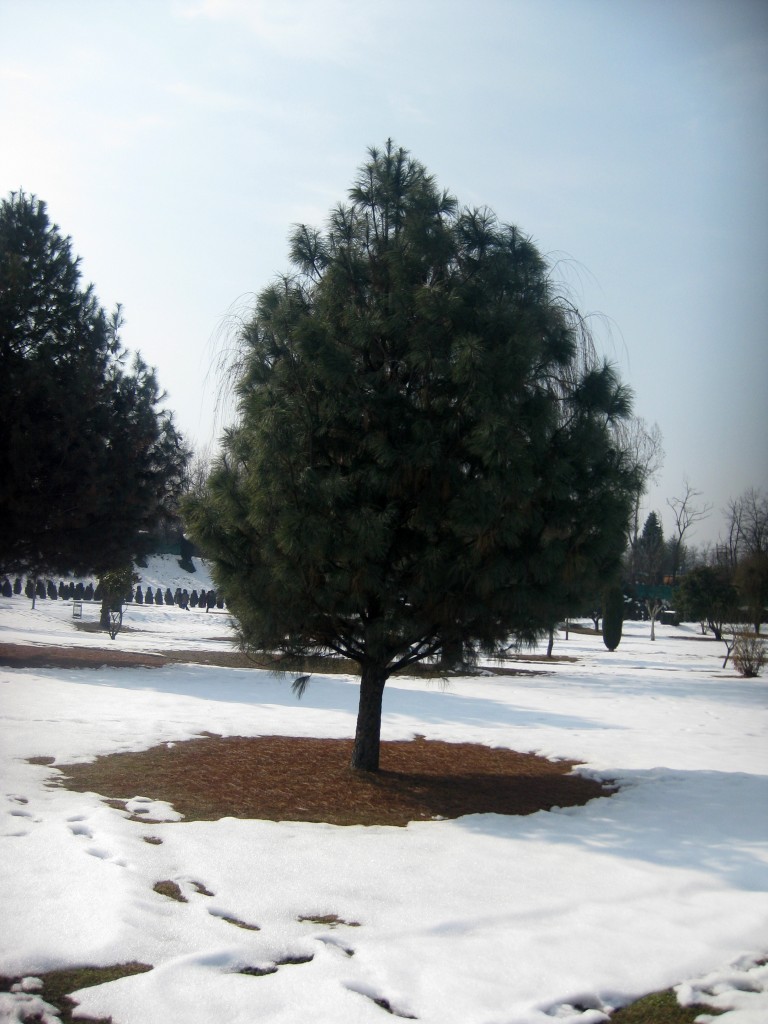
(164, 571)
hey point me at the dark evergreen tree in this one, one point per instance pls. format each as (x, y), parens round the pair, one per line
(17, 586)
(186, 551)
(651, 550)
(29, 588)
(158, 595)
(7, 588)
(193, 599)
(88, 459)
(139, 598)
(89, 592)
(613, 617)
(707, 595)
(39, 588)
(149, 597)
(424, 452)
(50, 590)
(114, 588)
(63, 590)
(751, 581)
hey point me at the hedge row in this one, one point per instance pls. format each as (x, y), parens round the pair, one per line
(90, 592)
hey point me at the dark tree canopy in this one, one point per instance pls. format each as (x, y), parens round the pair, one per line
(88, 459)
(751, 581)
(424, 454)
(650, 551)
(708, 594)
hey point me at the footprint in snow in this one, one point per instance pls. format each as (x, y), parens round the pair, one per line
(27, 817)
(102, 854)
(77, 828)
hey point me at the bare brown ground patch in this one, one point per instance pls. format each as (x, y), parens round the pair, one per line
(286, 778)
(53, 656)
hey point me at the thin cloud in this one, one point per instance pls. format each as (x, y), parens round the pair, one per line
(128, 132)
(12, 74)
(302, 29)
(209, 99)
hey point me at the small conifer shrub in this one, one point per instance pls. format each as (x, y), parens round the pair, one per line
(613, 617)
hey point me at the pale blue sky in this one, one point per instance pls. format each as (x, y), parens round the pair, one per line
(176, 141)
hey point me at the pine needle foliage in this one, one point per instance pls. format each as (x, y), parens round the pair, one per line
(424, 451)
(89, 460)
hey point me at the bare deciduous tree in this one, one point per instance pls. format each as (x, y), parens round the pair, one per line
(644, 446)
(728, 549)
(747, 522)
(686, 514)
(654, 606)
(197, 472)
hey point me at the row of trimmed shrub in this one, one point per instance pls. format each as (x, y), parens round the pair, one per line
(89, 592)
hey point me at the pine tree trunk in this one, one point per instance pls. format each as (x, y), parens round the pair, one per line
(551, 641)
(365, 753)
(451, 655)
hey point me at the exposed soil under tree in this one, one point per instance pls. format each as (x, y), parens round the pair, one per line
(287, 778)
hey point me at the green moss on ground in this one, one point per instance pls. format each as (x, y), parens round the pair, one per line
(57, 986)
(659, 1008)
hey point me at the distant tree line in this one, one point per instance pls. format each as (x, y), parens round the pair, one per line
(718, 585)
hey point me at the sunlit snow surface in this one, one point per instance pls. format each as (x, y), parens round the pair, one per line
(558, 916)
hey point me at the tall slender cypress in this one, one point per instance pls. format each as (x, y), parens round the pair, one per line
(613, 616)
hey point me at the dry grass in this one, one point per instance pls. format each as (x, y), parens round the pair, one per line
(56, 986)
(285, 778)
(30, 656)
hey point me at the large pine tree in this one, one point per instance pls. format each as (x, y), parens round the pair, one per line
(88, 458)
(424, 454)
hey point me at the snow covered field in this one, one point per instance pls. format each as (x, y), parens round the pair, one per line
(558, 916)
